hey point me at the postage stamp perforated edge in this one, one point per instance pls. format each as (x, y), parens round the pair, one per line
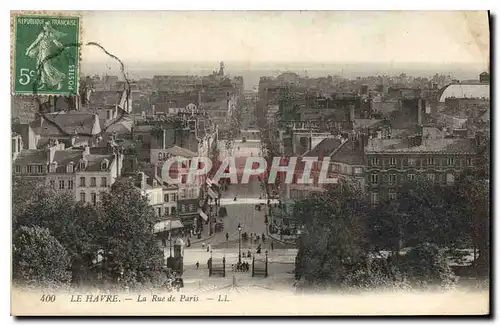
(62, 14)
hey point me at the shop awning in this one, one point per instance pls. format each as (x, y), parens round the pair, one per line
(167, 225)
(203, 215)
(212, 193)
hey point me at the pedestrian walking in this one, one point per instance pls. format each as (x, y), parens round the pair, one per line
(197, 264)
(203, 245)
(227, 236)
(272, 245)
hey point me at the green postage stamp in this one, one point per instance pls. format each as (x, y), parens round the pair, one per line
(46, 54)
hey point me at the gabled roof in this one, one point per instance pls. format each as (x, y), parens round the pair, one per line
(349, 153)
(325, 148)
(63, 158)
(64, 123)
(32, 156)
(94, 162)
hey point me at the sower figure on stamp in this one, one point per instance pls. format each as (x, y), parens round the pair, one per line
(41, 50)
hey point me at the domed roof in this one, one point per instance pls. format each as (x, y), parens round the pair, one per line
(465, 91)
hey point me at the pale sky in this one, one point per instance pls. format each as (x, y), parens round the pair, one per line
(272, 36)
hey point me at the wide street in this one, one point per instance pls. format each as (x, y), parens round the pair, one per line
(243, 213)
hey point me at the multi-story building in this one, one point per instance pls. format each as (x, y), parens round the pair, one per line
(187, 190)
(188, 212)
(96, 170)
(153, 190)
(347, 160)
(392, 163)
(83, 172)
(162, 196)
(170, 198)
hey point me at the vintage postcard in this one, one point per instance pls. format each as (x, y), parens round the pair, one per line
(250, 163)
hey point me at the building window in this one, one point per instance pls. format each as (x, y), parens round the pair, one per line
(374, 198)
(82, 197)
(29, 169)
(82, 182)
(392, 178)
(165, 198)
(411, 177)
(61, 184)
(392, 194)
(53, 184)
(392, 161)
(450, 161)
(470, 161)
(450, 178)
(431, 177)
(93, 198)
(183, 208)
(173, 197)
(18, 169)
(358, 170)
(104, 165)
(430, 161)
(173, 211)
(374, 161)
(412, 162)
(53, 167)
(82, 166)
(104, 182)
(40, 168)
(70, 184)
(70, 168)
(374, 178)
(93, 182)
(159, 211)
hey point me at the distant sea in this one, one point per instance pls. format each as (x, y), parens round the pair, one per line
(251, 72)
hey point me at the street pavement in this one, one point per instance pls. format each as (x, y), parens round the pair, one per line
(243, 213)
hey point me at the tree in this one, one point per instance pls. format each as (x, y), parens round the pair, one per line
(333, 242)
(39, 259)
(126, 222)
(423, 212)
(386, 224)
(426, 265)
(24, 193)
(72, 224)
(473, 206)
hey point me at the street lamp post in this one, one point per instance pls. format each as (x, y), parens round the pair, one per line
(170, 238)
(239, 244)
